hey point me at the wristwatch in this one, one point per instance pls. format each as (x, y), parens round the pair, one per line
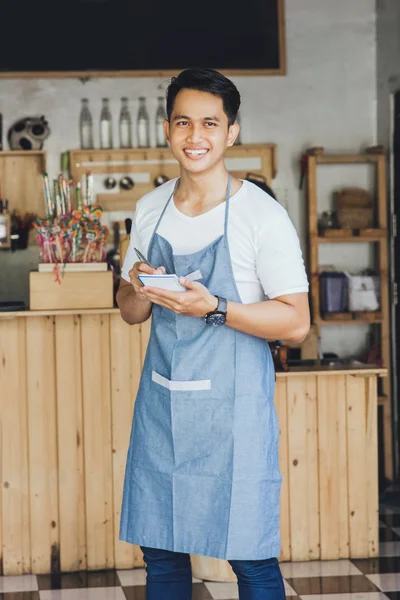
(218, 316)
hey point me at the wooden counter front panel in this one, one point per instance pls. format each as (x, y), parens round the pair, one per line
(67, 390)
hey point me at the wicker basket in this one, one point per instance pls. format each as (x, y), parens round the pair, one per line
(354, 208)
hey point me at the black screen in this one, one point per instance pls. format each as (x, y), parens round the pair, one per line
(118, 35)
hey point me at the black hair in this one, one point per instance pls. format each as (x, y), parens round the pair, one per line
(205, 80)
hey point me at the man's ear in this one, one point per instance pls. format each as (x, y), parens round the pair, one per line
(233, 132)
(166, 130)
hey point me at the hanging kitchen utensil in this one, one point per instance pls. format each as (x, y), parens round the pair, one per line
(161, 178)
(126, 183)
(109, 182)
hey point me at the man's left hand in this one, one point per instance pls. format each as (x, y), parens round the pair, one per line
(196, 302)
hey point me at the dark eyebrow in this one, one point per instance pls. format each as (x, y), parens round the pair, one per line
(186, 118)
(181, 117)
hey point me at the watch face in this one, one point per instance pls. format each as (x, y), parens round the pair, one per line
(216, 319)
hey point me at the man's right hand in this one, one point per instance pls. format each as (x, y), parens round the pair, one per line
(140, 268)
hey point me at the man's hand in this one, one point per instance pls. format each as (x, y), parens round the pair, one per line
(196, 302)
(140, 268)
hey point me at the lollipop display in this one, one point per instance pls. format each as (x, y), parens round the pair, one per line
(68, 235)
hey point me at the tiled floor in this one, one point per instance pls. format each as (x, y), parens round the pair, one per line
(361, 579)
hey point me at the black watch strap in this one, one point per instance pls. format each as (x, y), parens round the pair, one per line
(222, 305)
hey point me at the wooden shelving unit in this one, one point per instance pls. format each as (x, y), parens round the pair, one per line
(378, 236)
(145, 164)
(21, 179)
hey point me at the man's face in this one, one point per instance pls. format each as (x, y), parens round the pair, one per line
(198, 131)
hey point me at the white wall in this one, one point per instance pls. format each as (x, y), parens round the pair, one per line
(328, 98)
(388, 62)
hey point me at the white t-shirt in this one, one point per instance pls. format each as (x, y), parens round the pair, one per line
(264, 247)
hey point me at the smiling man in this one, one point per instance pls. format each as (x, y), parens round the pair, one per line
(202, 472)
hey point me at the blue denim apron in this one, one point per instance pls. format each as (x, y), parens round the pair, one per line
(202, 472)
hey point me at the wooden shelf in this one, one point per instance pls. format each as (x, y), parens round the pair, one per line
(8, 153)
(348, 318)
(334, 159)
(374, 156)
(369, 235)
(145, 164)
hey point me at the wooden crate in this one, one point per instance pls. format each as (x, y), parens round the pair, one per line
(76, 291)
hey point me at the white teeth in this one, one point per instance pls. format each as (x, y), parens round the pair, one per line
(195, 152)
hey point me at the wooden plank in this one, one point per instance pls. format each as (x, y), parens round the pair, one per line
(328, 468)
(154, 74)
(314, 549)
(97, 444)
(363, 371)
(343, 491)
(14, 504)
(303, 468)
(297, 461)
(70, 443)
(385, 330)
(122, 362)
(333, 159)
(42, 423)
(45, 313)
(357, 465)
(371, 460)
(281, 408)
(313, 233)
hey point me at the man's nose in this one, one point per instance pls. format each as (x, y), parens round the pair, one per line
(196, 134)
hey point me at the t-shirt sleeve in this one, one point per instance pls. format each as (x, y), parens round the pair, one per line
(280, 265)
(130, 256)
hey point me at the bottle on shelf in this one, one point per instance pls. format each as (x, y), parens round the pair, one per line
(161, 142)
(86, 126)
(106, 140)
(143, 128)
(125, 125)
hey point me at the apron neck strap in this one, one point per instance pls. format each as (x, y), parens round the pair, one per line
(228, 195)
(162, 213)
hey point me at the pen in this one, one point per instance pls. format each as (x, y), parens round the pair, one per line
(142, 258)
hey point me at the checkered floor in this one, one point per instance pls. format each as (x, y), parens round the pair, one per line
(363, 579)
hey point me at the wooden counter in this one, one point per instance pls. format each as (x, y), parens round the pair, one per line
(67, 387)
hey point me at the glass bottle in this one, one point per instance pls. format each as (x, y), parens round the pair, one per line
(161, 142)
(106, 125)
(125, 125)
(143, 128)
(86, 125)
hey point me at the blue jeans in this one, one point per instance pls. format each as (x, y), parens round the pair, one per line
(169, 577)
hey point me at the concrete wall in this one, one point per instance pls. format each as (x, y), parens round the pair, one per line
(388, 63)
(328, 98)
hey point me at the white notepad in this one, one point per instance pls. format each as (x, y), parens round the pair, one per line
(165, 282)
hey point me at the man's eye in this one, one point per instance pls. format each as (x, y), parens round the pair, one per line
(182, 123)
(210, 124)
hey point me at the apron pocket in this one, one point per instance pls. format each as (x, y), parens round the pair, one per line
(181, 386)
